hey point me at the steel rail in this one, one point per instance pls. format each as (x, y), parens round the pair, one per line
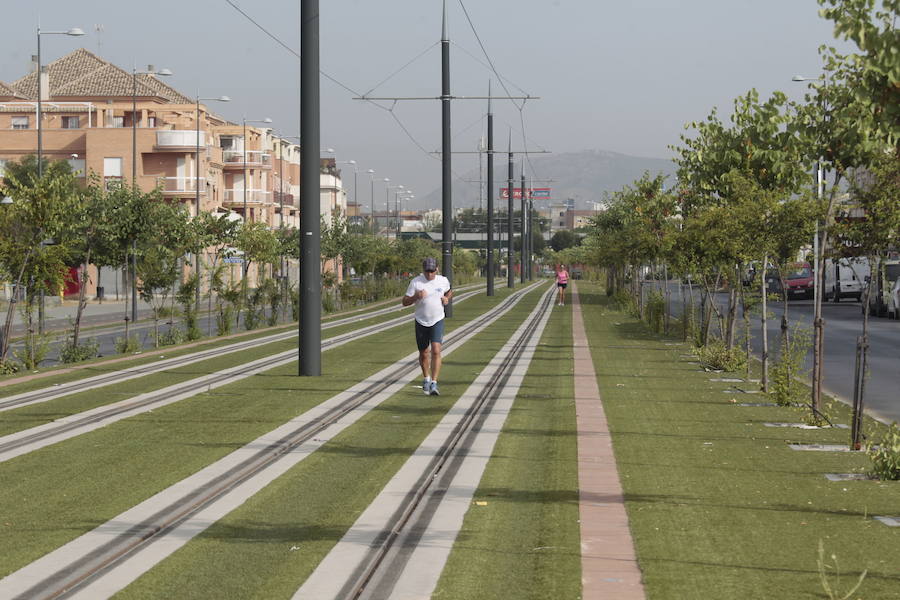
(69, 578)
(89, 383)
(375, 564)
(9, 444)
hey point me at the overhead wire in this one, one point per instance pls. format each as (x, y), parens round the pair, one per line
(342, 85)
(505, 89)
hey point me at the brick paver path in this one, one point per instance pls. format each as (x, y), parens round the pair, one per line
(609, 567)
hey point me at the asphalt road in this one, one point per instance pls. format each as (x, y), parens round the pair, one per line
(843, 324)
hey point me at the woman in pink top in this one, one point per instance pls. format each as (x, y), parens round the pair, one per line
(562, 280)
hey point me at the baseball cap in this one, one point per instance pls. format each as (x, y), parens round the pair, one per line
(429, 264)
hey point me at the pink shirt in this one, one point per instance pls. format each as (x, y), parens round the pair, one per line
(562, 276)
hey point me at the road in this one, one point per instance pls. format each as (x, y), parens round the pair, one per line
(843, 324)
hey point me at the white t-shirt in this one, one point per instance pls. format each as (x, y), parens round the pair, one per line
(430, 309)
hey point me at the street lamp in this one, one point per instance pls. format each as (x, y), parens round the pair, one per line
(371, 173)
(134, 73)
(355, 172)
(387, 189)
(246, 172)
(74, 31)
(197, 187)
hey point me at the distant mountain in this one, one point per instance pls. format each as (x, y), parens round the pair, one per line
(586, 176)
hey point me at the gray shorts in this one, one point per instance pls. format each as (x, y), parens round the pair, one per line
(425, 336)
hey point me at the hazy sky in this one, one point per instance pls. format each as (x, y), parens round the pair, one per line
(623, 76)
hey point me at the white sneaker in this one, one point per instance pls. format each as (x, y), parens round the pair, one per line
(426, 387)
(434, 389)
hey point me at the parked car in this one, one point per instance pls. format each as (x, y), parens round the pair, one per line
(894, 306)
(797, 276)
(845, 278)
(880, 299)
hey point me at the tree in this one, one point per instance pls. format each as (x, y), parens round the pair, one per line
(41, 210)
(564, 238)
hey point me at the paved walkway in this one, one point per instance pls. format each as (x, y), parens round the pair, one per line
(609, 567)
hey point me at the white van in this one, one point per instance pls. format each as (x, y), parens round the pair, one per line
(845, 278)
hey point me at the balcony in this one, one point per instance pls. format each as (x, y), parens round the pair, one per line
(234, 198)
(180, 186)
(234, 159)
(179, 139)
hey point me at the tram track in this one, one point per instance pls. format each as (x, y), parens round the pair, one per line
(105, 379)
(381, 550)
(35, 438)
(77, 569)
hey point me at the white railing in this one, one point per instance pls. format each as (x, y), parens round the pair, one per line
(236, 196)
(180, 184)
(254, 157)
(179, 138)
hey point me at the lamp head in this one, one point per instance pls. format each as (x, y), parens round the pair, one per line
(223, 99)
(164, 72)
(75, 31)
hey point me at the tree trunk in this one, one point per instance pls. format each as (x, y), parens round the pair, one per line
(732, 311)
(81, 299)
(862, 350)
(668, 297)
(12, 306)
(764, 377)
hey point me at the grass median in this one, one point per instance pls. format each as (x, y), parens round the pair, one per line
(267, 547)
(520, 537)
(52, 495)
(719, 505)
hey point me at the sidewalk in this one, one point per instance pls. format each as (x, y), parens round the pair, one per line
(57, 315)
(722, 500)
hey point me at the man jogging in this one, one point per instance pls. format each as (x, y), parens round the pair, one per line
(430, 293)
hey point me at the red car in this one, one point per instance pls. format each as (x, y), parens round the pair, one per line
(799, 280)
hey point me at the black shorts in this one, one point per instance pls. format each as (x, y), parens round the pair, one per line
(425, 336)
(562, 285)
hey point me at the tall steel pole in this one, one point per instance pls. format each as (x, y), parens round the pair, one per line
(530, 232)
(197, 206)
(511, 256)
(310, 274)
(446, 173)
(490, 197)
(523, 231)
(372, 198)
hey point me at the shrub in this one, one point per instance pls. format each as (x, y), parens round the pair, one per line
(37, 346)
(623, 301)
(170, 338)
(716, 355)
(128, 345)
(785, 386)
(8, 367)
(886, 455)
(655, 309)
(70, 353)
(223, 319)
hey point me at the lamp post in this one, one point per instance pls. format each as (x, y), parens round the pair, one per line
(387, 189)
(197, 188)
(371, 173)
(355, 172)
(134, 73)
(405, 195)
(74, 31)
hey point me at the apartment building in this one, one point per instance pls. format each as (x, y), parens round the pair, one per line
(120, 125)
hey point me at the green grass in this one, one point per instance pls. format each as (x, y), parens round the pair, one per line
(525, 542)
(33, 415)
(267, 547)
(720, 507)
(101, 365)
(52, 495)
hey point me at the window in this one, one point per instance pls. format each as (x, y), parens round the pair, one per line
(118, 121)
(151, 121)
(20, 122)
(227, 143)
(2, 167)
(112, 172)
(70, 122)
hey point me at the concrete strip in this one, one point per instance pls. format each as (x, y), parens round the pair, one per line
(421, 573)
(147, 556)
(609, 567)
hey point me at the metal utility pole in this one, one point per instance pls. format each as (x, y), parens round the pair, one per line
(490, 196)
(530, 232)
(446, 173)
(310, 244)
(511, 256)
(523, 231)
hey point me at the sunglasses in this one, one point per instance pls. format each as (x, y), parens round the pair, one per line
(430, 270)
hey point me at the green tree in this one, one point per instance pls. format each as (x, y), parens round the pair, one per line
(564, 238)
